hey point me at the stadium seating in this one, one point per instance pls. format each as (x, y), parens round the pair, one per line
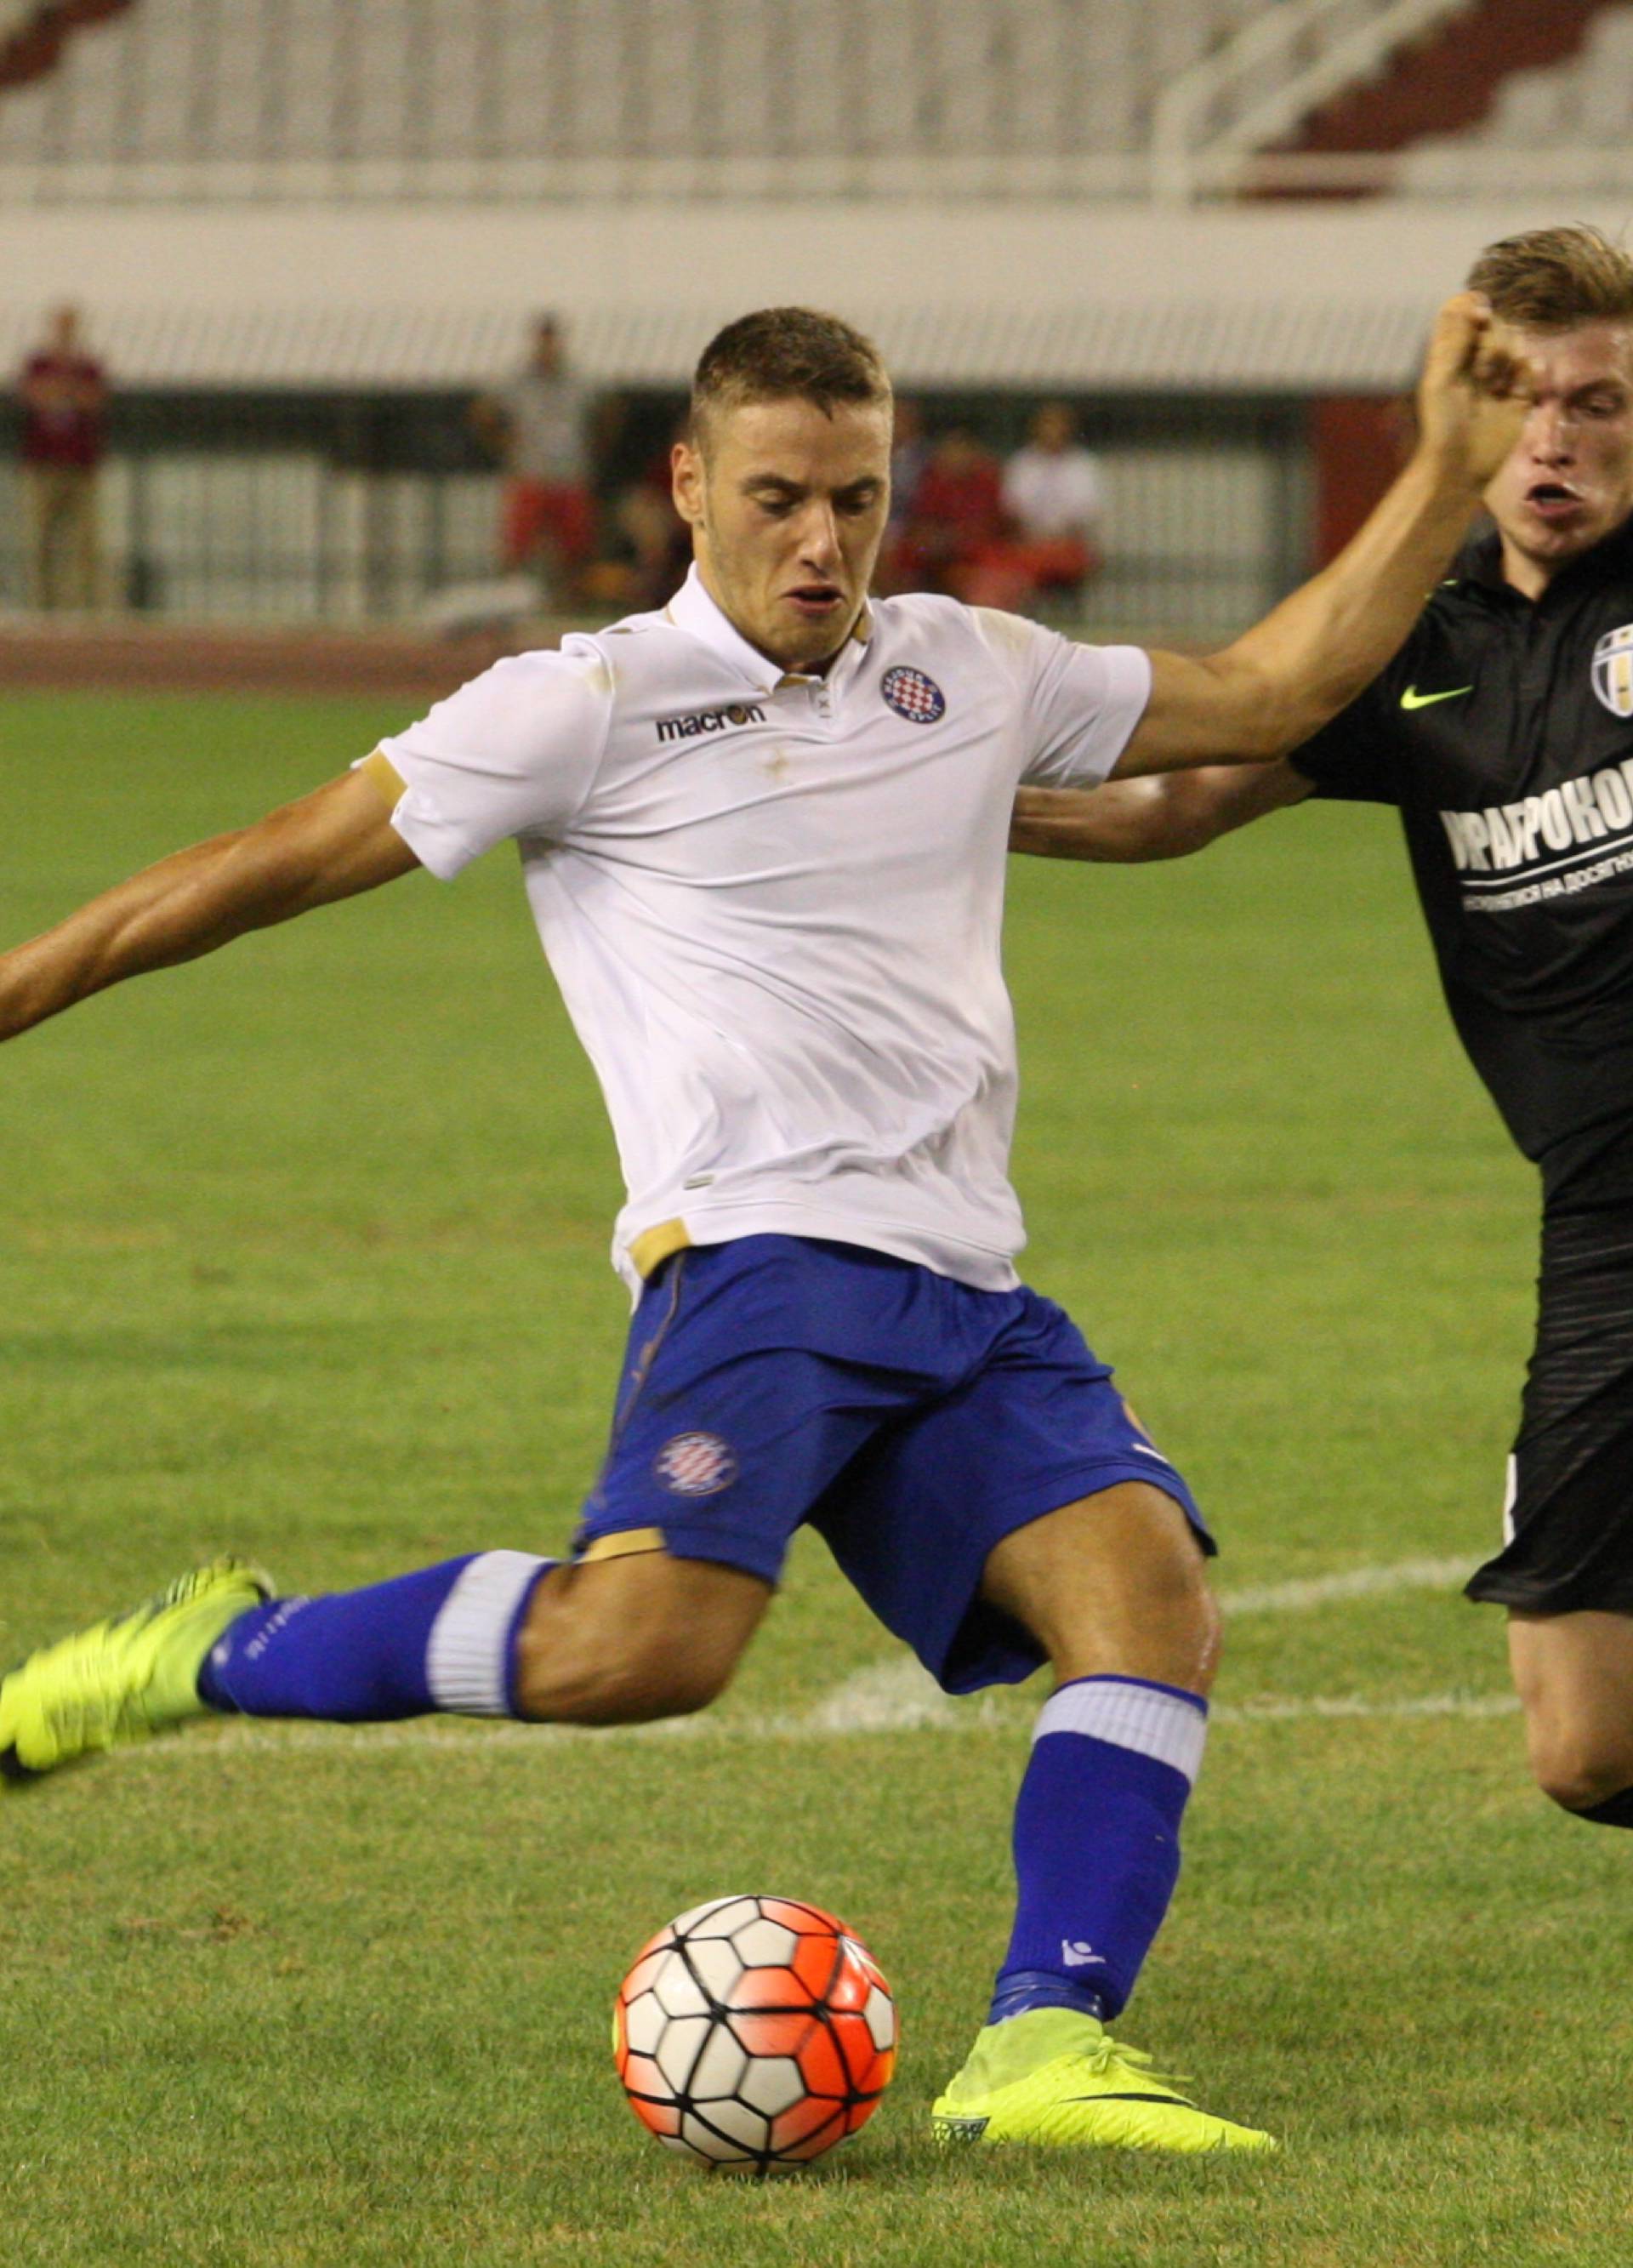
(738, 95)
(1577, 115)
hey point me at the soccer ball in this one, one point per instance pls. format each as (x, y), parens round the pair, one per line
(753, 2034)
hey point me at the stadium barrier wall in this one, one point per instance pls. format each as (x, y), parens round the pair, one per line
(367, 508)
(288, 442)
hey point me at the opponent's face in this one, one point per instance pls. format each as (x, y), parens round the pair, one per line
(787, 507)
(1569, 479)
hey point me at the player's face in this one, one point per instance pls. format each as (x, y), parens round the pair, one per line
(787, 511)
(1569, 479)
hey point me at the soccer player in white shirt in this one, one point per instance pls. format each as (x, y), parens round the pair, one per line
(763, 835)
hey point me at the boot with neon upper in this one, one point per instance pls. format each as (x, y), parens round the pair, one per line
(1053, 2077)
(123, 1679)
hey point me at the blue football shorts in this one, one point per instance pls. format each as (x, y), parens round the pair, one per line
(913, 1421)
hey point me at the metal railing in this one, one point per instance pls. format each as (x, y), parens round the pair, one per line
(1260, 82)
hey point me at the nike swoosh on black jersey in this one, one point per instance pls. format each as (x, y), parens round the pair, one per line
(1413, 699)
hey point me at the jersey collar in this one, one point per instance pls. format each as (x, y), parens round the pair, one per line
(693, 610)
(1480, 562)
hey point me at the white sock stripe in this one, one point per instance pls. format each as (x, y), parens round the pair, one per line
(465, 1667)
(1144, 1718)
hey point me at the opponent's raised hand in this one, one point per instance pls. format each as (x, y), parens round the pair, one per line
(1475, 392)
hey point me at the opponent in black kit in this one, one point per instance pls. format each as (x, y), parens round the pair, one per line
(1504, 732)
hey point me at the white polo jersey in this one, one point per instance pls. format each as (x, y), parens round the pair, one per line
(773, 903)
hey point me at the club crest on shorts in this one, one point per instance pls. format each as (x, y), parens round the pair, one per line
(695, 1464)
(914, 695)
(1612, 670)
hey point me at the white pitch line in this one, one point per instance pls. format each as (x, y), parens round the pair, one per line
(1291, 1708)
(826, 1722)
(1297, 1598)
(895, 1696)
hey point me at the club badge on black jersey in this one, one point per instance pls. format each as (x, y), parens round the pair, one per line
(1612, 670)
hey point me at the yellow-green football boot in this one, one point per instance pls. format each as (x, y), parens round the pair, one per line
(1053, 2077)
(121, 1680)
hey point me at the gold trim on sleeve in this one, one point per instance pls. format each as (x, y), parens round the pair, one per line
(654, 1245)
(623, 1545)
(386, 777)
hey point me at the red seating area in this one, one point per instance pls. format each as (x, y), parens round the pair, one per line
(34, 47)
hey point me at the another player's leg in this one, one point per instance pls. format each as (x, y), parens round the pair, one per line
(1112, 1588)
(1574, 1676)
(1565, 1570)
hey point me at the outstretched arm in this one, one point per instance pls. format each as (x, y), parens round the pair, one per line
(331, 844)
(1281, 682)
(1163, 816)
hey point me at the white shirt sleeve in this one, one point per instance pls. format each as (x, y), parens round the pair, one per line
(515, 752)
(1081, 703)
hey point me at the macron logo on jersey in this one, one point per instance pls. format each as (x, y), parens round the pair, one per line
(710, 720)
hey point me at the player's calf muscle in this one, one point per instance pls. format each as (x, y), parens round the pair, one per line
(628, 1641)
(1574, 1675)
(1114, 1585)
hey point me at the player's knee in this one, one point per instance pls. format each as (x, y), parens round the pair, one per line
(1193, 1615)
(1113, 1586)
(1160, 1619)
(1177, 1577)
(1579, 1772)
(1173, 1592)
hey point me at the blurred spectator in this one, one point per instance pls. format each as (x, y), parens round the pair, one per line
(645, 546)
(1055, 496)
(955, 517)
(909, 453)
(536, 427)
(63, 392)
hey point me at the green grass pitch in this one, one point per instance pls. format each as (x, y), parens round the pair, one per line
(303, 1252)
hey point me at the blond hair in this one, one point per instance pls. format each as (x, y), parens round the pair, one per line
(1551, 279)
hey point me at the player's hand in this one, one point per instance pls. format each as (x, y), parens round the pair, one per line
(1475, 393)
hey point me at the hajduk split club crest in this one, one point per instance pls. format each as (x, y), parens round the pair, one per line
(1612, 670)
(914, 695)
(695, 1464)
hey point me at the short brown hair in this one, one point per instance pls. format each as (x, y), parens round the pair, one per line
(779, 352)
(1551, 279)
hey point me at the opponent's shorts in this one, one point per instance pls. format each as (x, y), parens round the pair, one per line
(914, 1421)
(1568, 1523)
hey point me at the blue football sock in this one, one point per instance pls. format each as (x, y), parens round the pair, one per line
(442, 1639)
(1097, 1841)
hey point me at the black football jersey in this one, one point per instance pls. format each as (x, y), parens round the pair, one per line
(1503, 731)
